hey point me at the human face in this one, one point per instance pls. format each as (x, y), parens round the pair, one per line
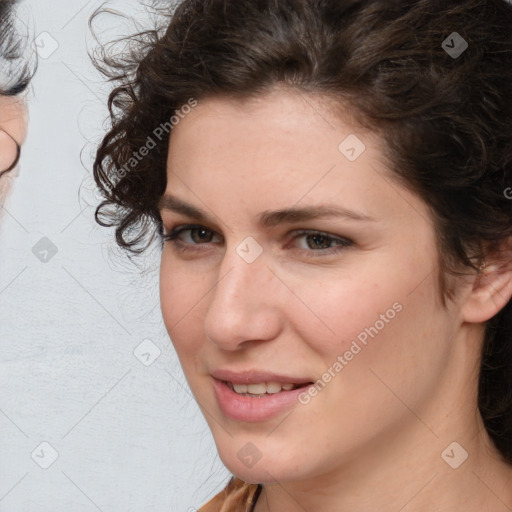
(258, 293)
(13, 129)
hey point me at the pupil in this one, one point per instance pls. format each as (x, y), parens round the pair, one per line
(201, 235)
(319, 242)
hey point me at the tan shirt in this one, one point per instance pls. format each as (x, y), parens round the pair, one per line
(238, 496)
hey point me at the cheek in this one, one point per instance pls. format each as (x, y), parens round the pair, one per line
(335, 310)
(378, 317)
(386, 338)
(183, 294)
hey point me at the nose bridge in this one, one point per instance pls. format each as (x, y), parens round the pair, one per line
(242, 307)
(241, 284)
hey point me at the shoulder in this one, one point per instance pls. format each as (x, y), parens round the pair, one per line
(237, 496)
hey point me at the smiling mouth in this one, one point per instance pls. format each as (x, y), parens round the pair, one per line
(262, 389)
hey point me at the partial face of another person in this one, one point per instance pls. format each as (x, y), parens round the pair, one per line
(288, 260)
(13, 129)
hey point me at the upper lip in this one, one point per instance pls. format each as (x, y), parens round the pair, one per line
(256, 377)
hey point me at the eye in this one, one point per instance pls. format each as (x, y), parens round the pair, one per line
(319, 241)
(196, 235)
(192, 235)
(316, 241)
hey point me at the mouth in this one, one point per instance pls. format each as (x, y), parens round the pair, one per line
(256, 397)
(262, 389)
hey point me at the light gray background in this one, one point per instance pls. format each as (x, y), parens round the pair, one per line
(129, 437)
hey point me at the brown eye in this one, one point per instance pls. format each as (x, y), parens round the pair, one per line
(192, 235)
(319, 241)
(201, 235)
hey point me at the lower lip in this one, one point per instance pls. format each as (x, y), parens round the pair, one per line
(244, 408)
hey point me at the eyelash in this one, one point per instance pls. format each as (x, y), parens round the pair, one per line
(341, 243)
(176, 232)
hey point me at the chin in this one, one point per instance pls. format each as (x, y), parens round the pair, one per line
(261, 473)
(248, 463)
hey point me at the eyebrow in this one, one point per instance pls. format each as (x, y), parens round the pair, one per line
(294, 215)
(269, 219)
(171, 203)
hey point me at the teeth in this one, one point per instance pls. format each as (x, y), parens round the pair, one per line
(274, 387)
(261, 388)
(257, 389)
(240, 388)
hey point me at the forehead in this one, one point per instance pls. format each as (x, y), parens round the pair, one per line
(285, 110)
(284, 140)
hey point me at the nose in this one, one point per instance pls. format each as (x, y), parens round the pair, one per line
(244, 307)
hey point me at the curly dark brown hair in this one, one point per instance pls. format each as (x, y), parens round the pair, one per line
(443, 109)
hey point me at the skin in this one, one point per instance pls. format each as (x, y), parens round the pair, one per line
(372, 438)
(13, 125)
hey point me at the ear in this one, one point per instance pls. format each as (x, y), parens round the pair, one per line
(492, 287)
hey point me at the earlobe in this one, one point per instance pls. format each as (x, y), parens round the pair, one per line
(492, 288)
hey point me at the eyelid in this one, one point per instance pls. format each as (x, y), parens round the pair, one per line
(306, 232)
(180, 228)
(342, 243)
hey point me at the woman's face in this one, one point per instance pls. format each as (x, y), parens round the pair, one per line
(13, 129)
(306, 262)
